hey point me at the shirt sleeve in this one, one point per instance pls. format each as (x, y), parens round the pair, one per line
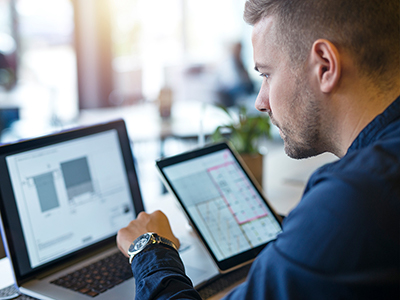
(159, 274)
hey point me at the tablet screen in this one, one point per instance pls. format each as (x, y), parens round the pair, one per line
(230, 214)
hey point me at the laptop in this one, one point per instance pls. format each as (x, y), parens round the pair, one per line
(63, 198)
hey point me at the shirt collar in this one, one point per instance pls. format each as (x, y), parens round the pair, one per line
(370, 133)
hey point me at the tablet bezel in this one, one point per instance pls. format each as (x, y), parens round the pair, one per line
(240, 259)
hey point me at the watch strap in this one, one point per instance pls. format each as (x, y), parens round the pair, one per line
(163, 240)
(155, 239)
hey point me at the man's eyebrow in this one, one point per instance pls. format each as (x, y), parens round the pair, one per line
(258, 66)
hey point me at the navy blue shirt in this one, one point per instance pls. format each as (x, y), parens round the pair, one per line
(342, 241)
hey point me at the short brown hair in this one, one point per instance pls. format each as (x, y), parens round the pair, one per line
(368, 29)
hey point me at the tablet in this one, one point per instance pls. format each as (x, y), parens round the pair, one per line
(222, 202)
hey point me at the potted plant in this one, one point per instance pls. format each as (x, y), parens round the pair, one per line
(245, 131)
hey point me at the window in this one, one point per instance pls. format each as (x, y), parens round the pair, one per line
(46, 89)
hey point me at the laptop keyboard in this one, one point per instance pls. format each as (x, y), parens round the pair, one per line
(223, 281)
(98, 277)
(104, 274)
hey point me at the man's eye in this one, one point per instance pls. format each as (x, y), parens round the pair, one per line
(266, 76)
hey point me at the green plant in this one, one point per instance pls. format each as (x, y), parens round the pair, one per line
(244, 130)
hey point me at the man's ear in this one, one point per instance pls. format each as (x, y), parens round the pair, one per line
(326, 61)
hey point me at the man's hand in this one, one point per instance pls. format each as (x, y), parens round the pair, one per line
(155, 222)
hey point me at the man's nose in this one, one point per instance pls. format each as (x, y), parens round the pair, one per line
(262, 101)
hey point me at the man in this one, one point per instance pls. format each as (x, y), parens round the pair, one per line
(331, 82)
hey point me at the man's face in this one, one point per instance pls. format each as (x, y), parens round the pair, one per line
(286, 94)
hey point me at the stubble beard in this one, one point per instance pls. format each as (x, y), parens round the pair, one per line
(302, 135)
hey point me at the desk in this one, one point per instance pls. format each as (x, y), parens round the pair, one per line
(6, 277)
(188, 119)
(286, 177)
(284, 184)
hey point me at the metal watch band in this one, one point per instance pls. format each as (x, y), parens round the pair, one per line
(156, 239)
(165, 241)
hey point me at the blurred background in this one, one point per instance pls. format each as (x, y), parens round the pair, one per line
(160, 65)
(59, 57)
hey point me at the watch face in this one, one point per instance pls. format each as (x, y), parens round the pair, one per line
(140, 242)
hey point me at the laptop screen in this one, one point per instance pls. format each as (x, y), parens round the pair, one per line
(69, 194)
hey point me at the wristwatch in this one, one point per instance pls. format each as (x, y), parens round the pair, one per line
(145, 240)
